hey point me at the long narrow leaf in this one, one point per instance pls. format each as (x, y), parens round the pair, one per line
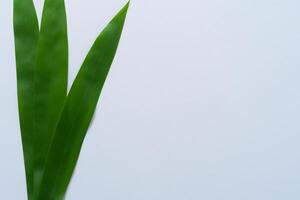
(51, 79)
(26, 31)
(78, 111)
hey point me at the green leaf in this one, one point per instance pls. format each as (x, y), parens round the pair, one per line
(26, 32)
(51, 80)
(78, 111)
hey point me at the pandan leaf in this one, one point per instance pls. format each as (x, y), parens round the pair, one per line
(78, 111)
(26, 32)
(50, 81)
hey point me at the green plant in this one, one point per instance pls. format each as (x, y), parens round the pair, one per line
(53, 122)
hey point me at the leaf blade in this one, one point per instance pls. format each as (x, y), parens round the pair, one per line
(51, 80)
(79, 109)
(26, 33)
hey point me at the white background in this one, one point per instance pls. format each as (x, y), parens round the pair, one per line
(202, 102)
